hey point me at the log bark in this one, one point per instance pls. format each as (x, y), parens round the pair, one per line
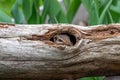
(29, 51)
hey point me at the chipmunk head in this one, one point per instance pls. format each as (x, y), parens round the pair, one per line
(62, 39)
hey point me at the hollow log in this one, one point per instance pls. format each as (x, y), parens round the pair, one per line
(33, 52)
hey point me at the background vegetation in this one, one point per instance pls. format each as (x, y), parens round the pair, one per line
(59, 11)
(54, 11)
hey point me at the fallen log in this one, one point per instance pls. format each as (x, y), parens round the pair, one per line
(31, 51)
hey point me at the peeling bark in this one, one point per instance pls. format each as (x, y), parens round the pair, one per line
(29, 51)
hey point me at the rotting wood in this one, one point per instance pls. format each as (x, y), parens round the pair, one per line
(29, 51)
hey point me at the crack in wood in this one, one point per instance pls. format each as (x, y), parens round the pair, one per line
(75, 35)
(102, 32)
(48, 38)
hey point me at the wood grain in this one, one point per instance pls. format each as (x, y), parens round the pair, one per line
(27, 51)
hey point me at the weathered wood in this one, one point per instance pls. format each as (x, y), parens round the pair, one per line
(28, 51)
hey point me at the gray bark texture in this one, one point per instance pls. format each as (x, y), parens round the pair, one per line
(30, 52)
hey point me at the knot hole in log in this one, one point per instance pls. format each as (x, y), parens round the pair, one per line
(68, 36)
(64, 39)
(65, 36)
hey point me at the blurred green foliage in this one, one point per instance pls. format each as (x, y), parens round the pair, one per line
(93, 78)
(38, 11)
(102, 11)
(53, 11)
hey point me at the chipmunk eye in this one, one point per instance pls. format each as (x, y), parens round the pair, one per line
(60, 40)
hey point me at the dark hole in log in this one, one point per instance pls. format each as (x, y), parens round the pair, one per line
(71, 37)
(112, 32)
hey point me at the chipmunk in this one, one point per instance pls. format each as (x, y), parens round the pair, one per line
(62, 39)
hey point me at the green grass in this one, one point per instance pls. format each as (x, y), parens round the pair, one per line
(93, 78)
(27, 11)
